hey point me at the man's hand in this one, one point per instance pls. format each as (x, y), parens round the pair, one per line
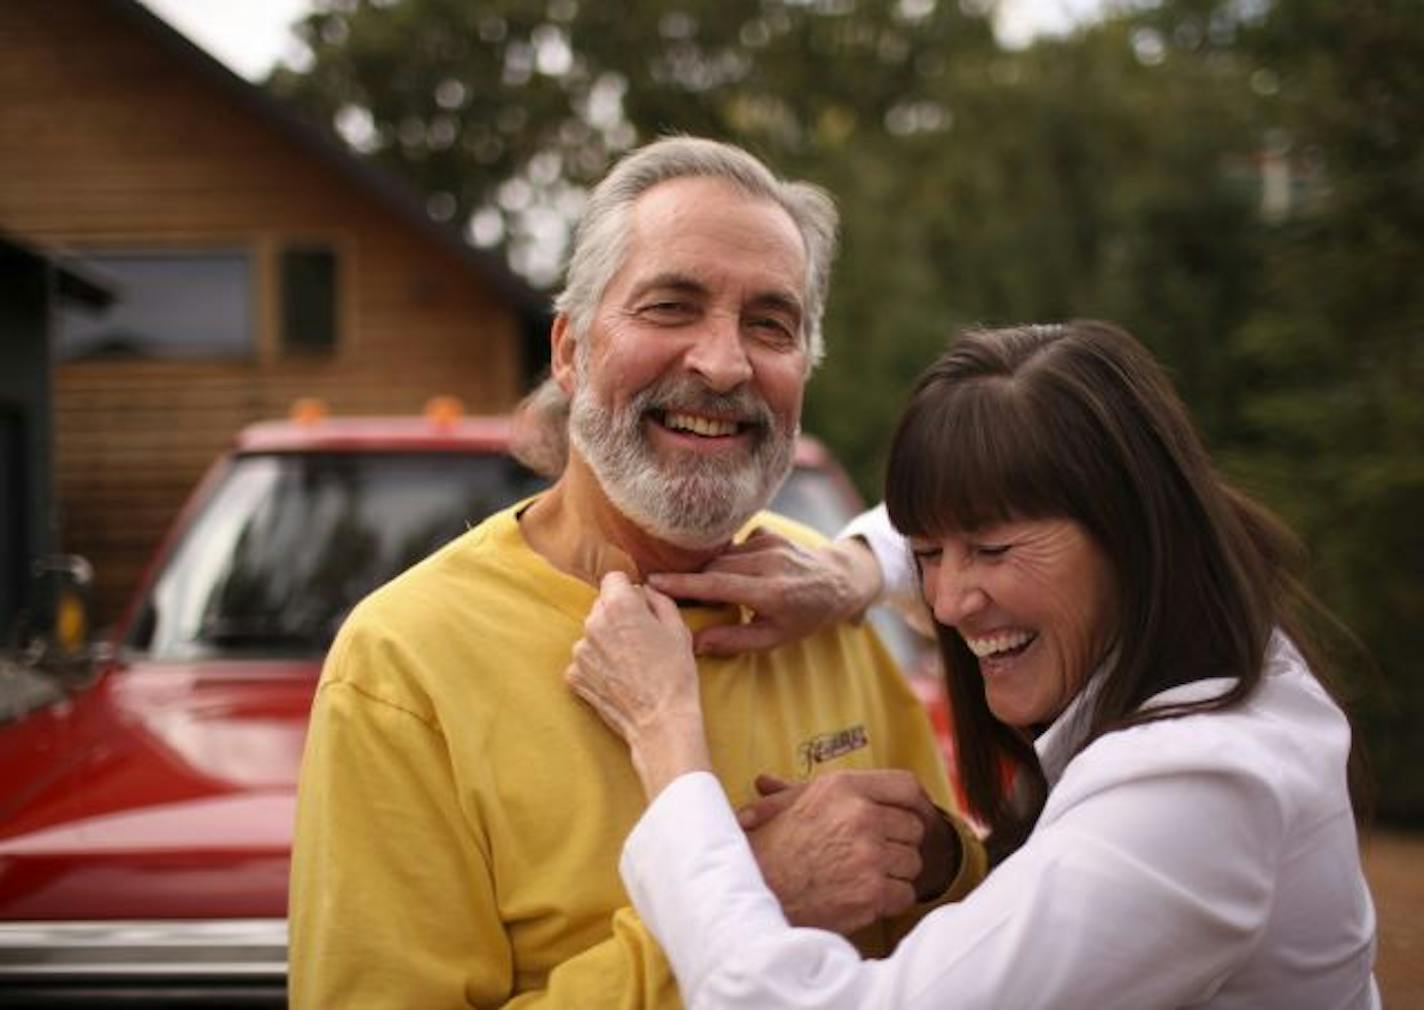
(791, 590)
(845, 850)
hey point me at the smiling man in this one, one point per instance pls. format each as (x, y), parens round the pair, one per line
(461, 812)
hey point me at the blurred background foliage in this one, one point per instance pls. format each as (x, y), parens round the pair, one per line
(1239, 182)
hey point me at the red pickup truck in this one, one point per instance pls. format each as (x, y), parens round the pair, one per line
(146, 814)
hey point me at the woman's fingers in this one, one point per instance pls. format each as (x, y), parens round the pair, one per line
(664, 608)
(791, 590)
(735, 639)
(901, 863)
(634, 663)
(772, 803)
(768, 784)
(747, 590)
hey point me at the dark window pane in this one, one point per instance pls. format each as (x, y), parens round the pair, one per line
(309, 299)
(168, 305)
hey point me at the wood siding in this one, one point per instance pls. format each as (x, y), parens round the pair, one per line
(109, 140)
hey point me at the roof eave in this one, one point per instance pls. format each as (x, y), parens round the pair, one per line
(326, 147)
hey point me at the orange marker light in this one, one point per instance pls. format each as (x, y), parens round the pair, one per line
(308, 410)
(444, 410)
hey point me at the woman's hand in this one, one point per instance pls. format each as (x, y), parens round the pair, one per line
(634, 667)
(791, 590)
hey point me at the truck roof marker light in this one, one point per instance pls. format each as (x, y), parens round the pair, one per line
(308, 410)
(443, 411)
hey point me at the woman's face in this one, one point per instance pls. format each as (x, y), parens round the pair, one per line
(1034, 599)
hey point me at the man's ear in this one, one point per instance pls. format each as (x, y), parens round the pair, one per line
(562, 348)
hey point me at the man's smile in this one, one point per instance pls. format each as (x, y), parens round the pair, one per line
(700, 425)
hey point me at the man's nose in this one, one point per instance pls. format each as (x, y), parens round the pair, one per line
(718, 355)
(957, 594)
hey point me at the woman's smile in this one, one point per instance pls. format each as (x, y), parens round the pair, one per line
(1000, 646)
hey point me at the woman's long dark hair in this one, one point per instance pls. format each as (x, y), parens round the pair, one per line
(1079, 421)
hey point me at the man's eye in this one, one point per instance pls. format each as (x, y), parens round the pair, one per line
(666, 310)
(773, 330)
(926, 552)
(991, 550)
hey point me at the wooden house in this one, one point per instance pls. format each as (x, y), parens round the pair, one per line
(254, 260)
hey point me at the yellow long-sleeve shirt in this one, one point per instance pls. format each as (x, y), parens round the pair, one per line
(461, 812)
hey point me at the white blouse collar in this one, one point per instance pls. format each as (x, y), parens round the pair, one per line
(1064, 736)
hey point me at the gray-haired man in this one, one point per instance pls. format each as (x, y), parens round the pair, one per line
(461, 812)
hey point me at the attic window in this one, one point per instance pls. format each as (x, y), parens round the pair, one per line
(309, 298)
(168, 304)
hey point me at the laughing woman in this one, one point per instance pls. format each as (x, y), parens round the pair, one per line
(1162, 777)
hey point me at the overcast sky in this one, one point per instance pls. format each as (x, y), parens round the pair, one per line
(251, 35)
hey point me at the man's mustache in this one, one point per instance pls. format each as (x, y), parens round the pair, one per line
(687, 395)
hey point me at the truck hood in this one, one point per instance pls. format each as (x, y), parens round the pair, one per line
(189, 774)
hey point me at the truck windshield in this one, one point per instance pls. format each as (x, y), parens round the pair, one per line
(287, 544)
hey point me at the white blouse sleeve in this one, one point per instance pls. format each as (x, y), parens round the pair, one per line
(1138, 889)
(892, 554)
(695, 882)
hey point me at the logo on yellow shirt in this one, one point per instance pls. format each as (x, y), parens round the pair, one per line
(825, 747)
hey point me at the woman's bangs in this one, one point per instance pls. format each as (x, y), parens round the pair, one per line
(968, 458)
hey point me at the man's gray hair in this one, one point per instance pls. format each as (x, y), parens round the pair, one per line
(601, 237)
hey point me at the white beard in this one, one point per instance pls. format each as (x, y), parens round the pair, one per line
(695, 502)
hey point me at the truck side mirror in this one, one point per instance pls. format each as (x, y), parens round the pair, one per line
(62, 610)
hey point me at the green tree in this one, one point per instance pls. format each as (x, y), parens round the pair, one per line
(1240, 182)
(503, 111)
(1337, 341)
(1077, 178)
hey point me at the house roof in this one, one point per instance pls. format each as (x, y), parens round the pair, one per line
(329, 149)
(73, 281)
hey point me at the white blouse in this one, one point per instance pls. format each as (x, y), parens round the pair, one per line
(1205, 861)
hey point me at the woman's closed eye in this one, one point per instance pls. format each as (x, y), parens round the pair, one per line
(924, 552)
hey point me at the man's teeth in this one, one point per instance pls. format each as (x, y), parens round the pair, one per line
(700, 425)
(1005, 641)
